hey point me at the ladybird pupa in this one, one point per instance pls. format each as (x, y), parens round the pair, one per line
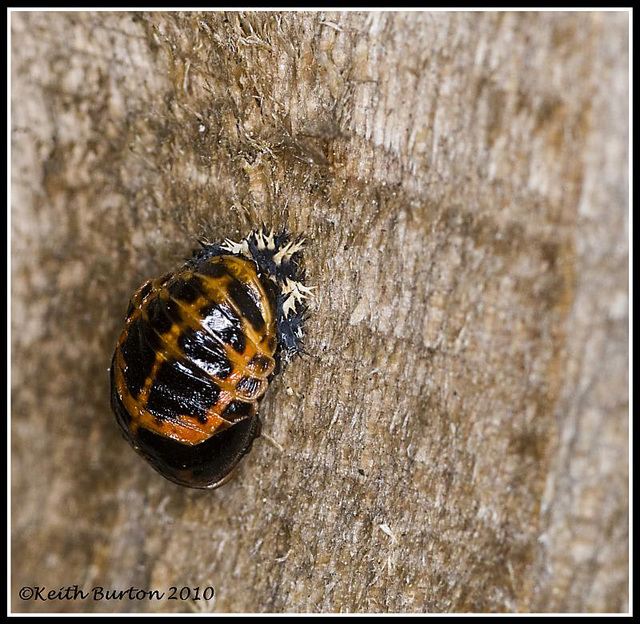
(198, 350)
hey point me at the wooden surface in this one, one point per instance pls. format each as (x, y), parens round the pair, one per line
(458, 438)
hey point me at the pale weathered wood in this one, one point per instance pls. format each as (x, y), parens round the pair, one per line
(457, 441)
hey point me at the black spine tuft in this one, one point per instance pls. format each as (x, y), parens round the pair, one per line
(264, 247)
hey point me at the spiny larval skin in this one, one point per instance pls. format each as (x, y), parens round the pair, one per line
(276, 256)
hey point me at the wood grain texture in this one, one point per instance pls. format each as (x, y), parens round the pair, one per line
(458, 438)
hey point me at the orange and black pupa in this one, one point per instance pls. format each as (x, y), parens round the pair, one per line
(198, 350)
